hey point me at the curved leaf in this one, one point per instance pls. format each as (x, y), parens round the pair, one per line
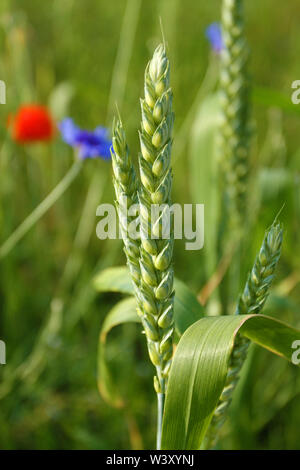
(199, 370)
(187, 309)
(116, 279)
(123, 312)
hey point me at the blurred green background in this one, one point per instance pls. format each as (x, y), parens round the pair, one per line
(80, 58)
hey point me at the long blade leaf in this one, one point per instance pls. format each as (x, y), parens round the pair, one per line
(199, 371)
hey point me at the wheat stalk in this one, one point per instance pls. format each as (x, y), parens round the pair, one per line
(156, 254)
(156, 177)
(150, 257)
(251, 301)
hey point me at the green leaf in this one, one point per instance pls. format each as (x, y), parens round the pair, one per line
(123, 312)
(199, 370)
(204, 172)
(115, 279)
(187, 309)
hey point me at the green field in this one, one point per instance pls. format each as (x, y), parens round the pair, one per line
(81, 58)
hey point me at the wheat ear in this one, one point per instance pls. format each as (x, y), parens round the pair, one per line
(234, 93)
(261, 276)
(251, 301)
(156, 253)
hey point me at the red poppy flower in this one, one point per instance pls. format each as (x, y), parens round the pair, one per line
(32, 123)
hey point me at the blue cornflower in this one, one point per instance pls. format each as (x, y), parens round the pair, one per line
(214, 34)
(90, 144)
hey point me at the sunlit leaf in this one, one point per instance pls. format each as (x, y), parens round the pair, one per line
(199, 370)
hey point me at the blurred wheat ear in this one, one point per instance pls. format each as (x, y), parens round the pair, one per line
(235, 102)
(234, 141)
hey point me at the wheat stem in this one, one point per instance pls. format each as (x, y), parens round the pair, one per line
(156, 290)
(160, 411)
(150, 257)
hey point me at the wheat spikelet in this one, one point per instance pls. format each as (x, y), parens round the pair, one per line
(251, 301)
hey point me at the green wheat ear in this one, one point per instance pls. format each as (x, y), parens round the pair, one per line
(126, 190)
(251, 301)
(235, 102)
(261, 276)
(150, 258)
(156, 290)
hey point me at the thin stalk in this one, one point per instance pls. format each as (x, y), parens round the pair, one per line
(207, 85)
(124, 54)
(40, 210)
(160, 412)
(84, 230)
